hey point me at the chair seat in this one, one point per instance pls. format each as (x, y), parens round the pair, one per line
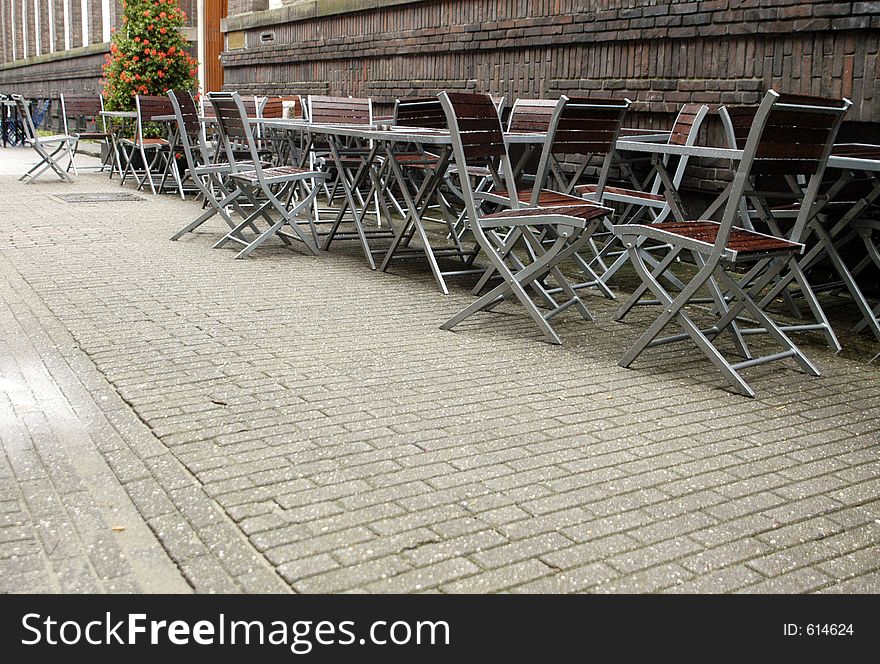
(582, 211)
(246, 154)
(345, 160)
(620, 191)
(473, 171)
(792, 210)
(417, 159)
(547, 197)
(91, 135)
(741, 243)
(147, 142)
(277, 174)
(226, 167)
(55, 138)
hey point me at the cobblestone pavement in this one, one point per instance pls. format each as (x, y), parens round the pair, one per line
(298, 423)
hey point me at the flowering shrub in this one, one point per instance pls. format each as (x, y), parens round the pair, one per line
(147, 54)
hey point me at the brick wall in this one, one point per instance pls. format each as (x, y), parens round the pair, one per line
(79, 73)
(661, 53)
(74, 71)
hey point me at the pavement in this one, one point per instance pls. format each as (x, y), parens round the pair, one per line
(173, 420)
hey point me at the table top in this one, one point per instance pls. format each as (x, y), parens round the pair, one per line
(643, 135)
(690, 150)
(857, 156)
(119, 114)
(381, 132)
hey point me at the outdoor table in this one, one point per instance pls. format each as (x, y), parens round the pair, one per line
(643, 135)
(851, 159)
(384, 140)
(658, 150)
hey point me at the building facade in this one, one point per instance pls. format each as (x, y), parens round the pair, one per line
(659, 53)
(56, 46)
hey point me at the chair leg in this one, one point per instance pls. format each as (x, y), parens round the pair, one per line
(215, 207)
(674, 309)
(658, 270)
(769, 325)
(514, 283)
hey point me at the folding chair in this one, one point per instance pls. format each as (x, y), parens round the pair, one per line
(288, 191)
(526, 116)
(344, 111)
(81, 115)
(477, 140)
(279, 141)
(50, 148)
(425, 113)
(212, 180)
(767, 203)
(646, 201)
(159, 149)
(787, 135)
(588, 128)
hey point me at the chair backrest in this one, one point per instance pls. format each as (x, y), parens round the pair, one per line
(500, 104)
(687, 124)
(273, 107)
(82, 109)
(149, 107)
(477, 140)
(189, 128)
(685, 131)
(427, 113)
(340, 110)
(786, 135)
(234, 127)
(24, 113)
(588, 129)
(531, 114)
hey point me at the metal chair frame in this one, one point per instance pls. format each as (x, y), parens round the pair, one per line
(50, 148)
(84, 109)
(717, 247)
(477, 137)
(286, 191)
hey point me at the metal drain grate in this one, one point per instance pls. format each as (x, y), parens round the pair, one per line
(99, 197)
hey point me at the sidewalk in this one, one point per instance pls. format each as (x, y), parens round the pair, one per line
(292, 423)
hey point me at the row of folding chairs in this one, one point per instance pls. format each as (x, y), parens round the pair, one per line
(527, 233)
(529, 220)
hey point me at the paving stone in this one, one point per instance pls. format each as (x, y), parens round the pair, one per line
(425, 577)
(388, 455)
(500, 578)
(799, 581)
